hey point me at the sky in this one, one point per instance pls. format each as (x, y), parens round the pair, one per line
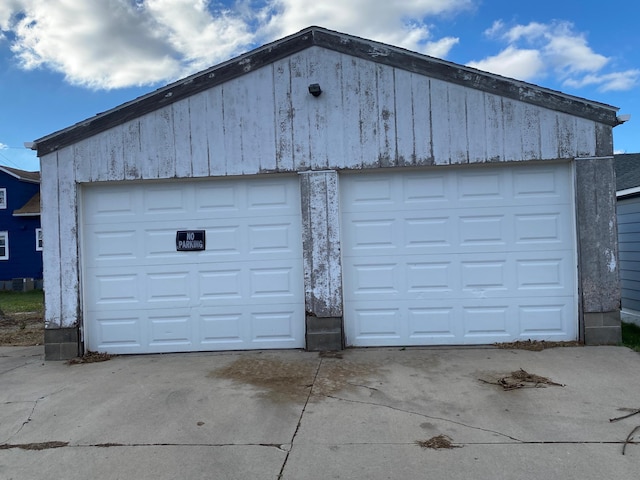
(63, 61)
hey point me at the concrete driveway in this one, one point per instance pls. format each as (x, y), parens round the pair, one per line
(299, 415)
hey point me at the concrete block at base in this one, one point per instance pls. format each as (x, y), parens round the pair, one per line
(324, 334)
(61, 343)
(602, 328)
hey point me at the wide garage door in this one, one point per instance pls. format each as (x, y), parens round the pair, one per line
(244, 291)
(470, 255)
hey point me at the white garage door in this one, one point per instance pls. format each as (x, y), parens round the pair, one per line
(244, 291)
(470, 255)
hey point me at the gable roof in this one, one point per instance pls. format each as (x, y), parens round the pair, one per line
(22, 175)
(29, 209)
(627, 171)
(349, 45)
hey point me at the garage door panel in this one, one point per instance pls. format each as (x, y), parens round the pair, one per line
(112, 206)
(162, 199)
(168, 287)
(220, 327)
(483, 187)
(169, 327)
(275, 325)
(459, 270)
(545, 319)
(427, 323)
(459, 189)
(485, 320)
(377, 326)
(245, 290)
(113, 288)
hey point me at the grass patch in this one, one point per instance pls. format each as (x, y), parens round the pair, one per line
(21, 321)
(22, 302)
(631, 336)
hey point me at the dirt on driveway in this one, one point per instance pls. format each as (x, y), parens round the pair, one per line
(21, 329)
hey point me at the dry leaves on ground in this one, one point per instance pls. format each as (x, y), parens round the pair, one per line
(437, 443)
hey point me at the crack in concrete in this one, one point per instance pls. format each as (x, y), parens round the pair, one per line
(30, 416)
(304, 408)
(58, 444)
(424, 415)
(16, 368)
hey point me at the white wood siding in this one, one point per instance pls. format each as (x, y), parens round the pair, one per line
(368, 116)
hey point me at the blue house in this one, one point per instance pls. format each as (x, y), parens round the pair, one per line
(20, 232)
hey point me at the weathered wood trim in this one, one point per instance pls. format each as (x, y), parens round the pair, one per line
(465, 76)
(68, 219)
(321, 242)
(348, 45)
(597, 235)
(51, 238)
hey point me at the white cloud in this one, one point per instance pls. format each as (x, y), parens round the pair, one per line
(3, 146)
(119, 43)
(529, 32)
(106, 44)
(617, 81)
(537, 50)
(400, 22)
(513, 62)
(440, 48)
(495, 29)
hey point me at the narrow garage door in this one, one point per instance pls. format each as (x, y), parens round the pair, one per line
(244, 291)
(471, 255)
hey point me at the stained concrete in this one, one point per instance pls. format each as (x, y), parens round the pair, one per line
(303, 415)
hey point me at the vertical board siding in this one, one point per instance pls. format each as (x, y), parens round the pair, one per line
(512, 114)
(215, 128)
(68, 231)
(82, 153)
(458, 124)
(530, 132)
(476, 121)
(259, 140)
(284, 115)
(321, 252)
(50, 214)
(368, 118)
(585, 138)
(386, 115)
(421, 118)
(494, 128)
(549, 145)
(440, 122)
(350, 114)
(198, 136)
(405, 141)
(325, 111)
(566, 132)
(181, 113)
(597, 228)
(132, 150)
(300, 119)
(163, 146)
(368, 115)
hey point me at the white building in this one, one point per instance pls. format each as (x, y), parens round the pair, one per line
(348, 193)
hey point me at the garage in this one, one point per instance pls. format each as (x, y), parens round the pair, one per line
(243, 290)
(331, 191)
(459, 256)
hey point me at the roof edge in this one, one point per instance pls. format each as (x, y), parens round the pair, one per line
(343, 43)
(20, 174)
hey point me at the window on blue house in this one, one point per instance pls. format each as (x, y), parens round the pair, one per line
(4, 245)
(38, 239)
(3, 198)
